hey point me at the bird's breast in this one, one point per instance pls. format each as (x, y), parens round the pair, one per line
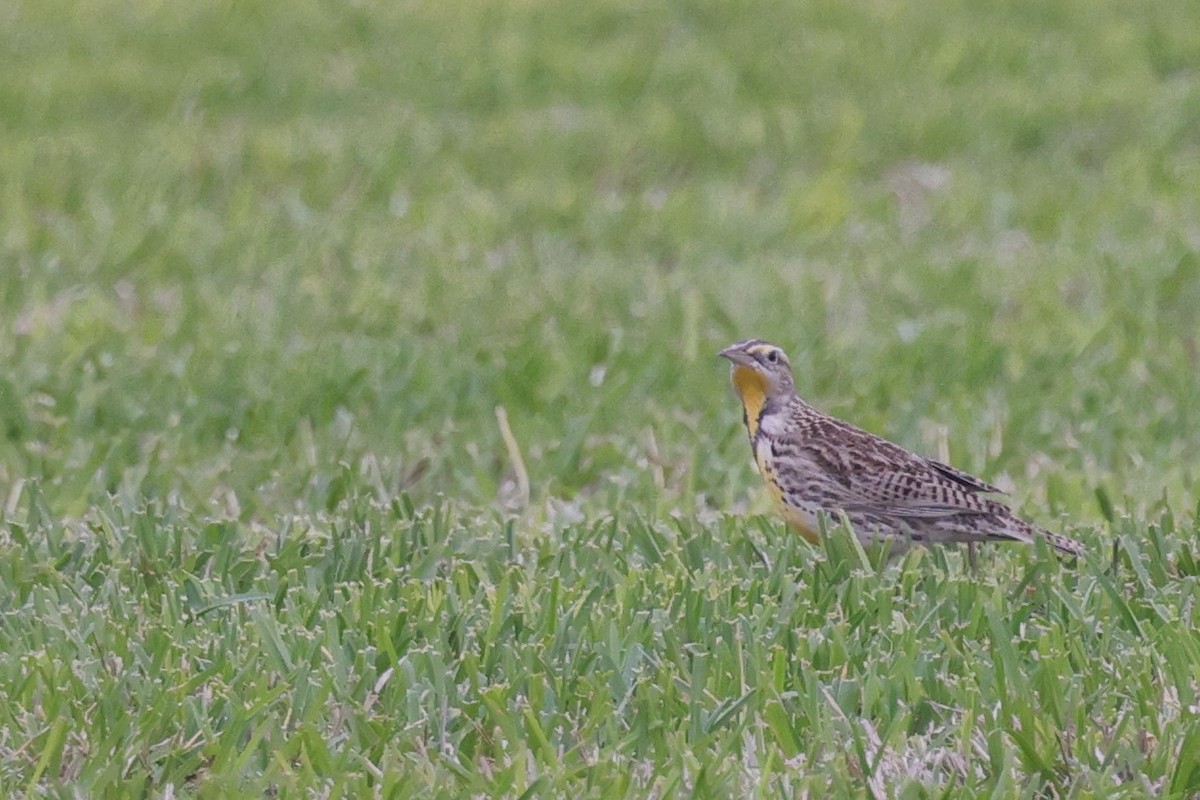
(803, 520)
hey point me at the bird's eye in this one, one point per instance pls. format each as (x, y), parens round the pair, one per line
(773, 356)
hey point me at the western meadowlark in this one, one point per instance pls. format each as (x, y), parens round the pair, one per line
(815, 464)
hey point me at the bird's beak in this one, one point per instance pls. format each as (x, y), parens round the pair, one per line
(736, 355)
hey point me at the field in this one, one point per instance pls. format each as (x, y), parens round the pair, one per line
(363, 433)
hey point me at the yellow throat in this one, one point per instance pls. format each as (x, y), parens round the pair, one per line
(752, 388)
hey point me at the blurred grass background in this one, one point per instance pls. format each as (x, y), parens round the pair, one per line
(266, 264)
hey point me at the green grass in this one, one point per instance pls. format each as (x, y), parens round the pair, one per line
(267, 271)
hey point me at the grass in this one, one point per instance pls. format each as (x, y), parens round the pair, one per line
(267, 272)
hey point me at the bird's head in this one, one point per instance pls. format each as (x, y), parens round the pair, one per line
(761, 371)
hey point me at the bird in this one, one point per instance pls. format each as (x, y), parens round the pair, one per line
(816, 465)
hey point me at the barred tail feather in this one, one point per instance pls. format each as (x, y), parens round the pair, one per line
(1023, 531)
(1061, 543)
